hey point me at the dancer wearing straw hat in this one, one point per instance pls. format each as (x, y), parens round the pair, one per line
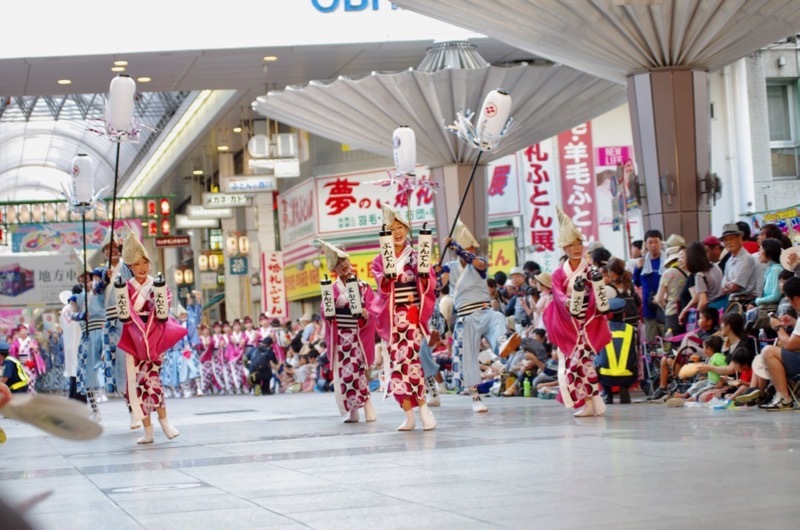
(350, 339)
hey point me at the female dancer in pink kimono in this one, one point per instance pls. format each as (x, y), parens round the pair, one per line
(578, 330)
(145, 339)
(205, 349)
(237, 341)
(403, 308)
(350, 339)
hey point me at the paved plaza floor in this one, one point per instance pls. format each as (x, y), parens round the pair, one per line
(287, 461)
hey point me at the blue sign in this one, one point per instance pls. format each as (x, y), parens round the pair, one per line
(238, 265)
(329, 6)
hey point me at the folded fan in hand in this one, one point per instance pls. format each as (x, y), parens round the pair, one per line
(65, 418)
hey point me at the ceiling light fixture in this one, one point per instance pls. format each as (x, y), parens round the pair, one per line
(270, 58)
(222, 148)
(120, 63)
(143, 79)
(118, 69)
(64, 82)
(237, 130)
(197, 172)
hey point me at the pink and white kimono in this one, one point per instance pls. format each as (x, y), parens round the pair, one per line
(578, 339)
(351, 347)
(402, 309)
(218, 364)
(234, 354)
(145, 339)
(27, 353)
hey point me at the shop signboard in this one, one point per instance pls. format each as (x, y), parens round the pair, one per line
(539, 187)
(351, 203)
(254, 184)
(226, 200)
(578, 197)
(296, 209)
(502, 185)
(273, 285)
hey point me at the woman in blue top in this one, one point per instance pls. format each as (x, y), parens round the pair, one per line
(770, 256)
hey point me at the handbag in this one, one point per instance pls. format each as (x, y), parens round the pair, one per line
(762, 319)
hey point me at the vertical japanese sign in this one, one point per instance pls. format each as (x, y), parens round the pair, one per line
(502, 185)
(296, 209)
(273, 288)
(539, 188)
(578, 179)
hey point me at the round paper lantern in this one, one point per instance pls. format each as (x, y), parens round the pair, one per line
(258, 146)
(492, 120)
(82, 179)
(405, 150)
(119, 110)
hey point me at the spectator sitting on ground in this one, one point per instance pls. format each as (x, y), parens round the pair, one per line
(783, 359)
(530, 362)
(741, 352)
(713, 356)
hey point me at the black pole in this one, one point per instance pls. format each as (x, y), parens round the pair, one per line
(463, 200)
(85, 286)
(113, 207)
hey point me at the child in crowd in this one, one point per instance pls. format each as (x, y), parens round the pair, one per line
(712, 352)
(732, 387)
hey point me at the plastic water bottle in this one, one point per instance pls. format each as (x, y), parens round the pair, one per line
(668, 335)
(526, 388)
(762, 338)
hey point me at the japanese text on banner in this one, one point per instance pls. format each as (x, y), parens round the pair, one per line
(578, 198)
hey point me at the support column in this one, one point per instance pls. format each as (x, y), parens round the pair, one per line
(671, 135)
(475, 214)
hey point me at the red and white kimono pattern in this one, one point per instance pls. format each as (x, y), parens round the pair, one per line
(351, 343)
(218, 364)
(206, 350)
(145, 339)
(578, 339)
(401, 324)
(234, 369)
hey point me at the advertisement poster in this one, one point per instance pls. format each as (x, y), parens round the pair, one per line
(273, 286)
(58, 237)
(36, 280)
(502, 185)
(538, 164)
(578, 194)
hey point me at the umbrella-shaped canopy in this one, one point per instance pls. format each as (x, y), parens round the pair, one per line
(547, 99)
(614, 38)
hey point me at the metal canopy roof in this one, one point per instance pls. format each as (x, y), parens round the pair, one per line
(614, 38)
(363, 112)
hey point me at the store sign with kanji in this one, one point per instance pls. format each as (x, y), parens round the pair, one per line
(238, 265)
(226, 200)
(351, 203)
(538, 166)
(273, 286)
(502, 187)
(296, 209)
(578, 180)
(249, 184)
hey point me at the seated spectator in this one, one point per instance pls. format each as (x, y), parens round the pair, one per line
(713, 356)
(549, 373)
(747, 241)
(783, 359)
(617, 363)
(529, 362)
(544, 284)
(773, 231)
(758, 312)
(740, 281)
(784, 305)
(707, 281)
(741, 351)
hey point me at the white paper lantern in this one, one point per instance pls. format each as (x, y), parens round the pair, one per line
(49, 212)
(119, 110)
(62, 212)
(492, 120)
(202, 262)
(232, 244)
(24, 214)
(244, 245)
(82, 179)
(126, 208)
(138, 207)
(405, 150)
(36, 213)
